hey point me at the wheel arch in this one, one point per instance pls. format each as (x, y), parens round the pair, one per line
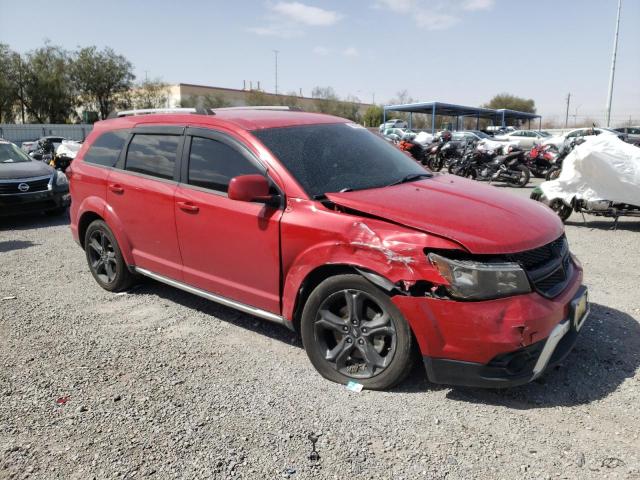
(319, 274)
(83, 224)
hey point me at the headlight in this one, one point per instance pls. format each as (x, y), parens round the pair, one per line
(61, 179)
(470, 280)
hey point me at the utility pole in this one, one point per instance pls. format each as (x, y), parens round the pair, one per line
(276, 55)
(613, 64)
(566, 118)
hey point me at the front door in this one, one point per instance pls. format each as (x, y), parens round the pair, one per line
(141, 194)
(229, 248)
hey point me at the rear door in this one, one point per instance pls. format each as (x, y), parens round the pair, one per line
(229, 248)
(141, 191)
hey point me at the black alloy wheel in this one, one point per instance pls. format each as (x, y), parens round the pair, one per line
(353, 332)
(102, 256)
(358, 336)
(105, 258)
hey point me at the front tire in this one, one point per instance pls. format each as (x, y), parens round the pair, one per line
(352, 331)
(105, 258)
(524, 177)
(562, 209)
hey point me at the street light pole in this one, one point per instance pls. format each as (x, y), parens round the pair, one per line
(276, 55)
(613, 65)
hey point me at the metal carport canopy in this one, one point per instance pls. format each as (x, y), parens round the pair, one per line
(506, 114)
(440, 108)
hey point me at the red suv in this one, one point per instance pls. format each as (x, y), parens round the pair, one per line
(313, 222)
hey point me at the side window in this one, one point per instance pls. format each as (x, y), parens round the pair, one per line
(153, 155)
(212, 164)
(105, 150)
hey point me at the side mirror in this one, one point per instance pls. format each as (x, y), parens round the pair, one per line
(252, 188)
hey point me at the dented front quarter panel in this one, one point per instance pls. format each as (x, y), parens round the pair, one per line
(314, 235)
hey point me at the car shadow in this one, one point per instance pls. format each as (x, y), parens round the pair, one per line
(226, 314)
(9, 245)
(629, 225)
(606, 354)
(34, 220)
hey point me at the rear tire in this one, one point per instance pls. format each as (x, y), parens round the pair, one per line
(352, 331)
(105, 258)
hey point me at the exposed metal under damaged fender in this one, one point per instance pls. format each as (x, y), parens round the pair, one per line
(322, 237)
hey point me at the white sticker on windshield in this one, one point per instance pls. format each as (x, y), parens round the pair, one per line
(355, 125)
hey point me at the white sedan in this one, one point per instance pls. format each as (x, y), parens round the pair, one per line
(560, 140)
(525, 138)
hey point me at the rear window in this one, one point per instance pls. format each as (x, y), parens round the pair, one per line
(153, 155)
(105, 150)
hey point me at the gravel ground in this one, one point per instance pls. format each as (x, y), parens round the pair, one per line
(157, 382)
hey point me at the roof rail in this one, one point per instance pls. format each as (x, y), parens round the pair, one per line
(150, 111)
(261, 107)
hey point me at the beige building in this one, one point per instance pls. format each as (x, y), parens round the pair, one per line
(233, 97)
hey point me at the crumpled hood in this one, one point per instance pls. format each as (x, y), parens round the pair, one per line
(482, 218)
(21, 170)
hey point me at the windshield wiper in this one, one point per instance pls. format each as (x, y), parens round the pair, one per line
(410, 177)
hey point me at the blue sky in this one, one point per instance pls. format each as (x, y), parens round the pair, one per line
(458, 51)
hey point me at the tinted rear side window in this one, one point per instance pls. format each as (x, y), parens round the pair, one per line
(105, 150)
(153, 155)
(213, 164)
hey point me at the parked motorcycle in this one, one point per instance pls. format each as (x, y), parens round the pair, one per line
(556, 164)
(600, 178)
(485, 165)
(541, 160)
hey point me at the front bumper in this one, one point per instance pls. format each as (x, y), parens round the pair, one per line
(33, 202)
(493, 343)
(514, 368)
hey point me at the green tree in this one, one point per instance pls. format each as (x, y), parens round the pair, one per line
(256, 98)
(327, 101)
(204, 101)
(8, 85)
(506, 100)
(373, 116)
(150, 94)
(101, 77)
(289, 100)
(43, 84)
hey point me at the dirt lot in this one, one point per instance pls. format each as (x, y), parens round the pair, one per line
(160, 383)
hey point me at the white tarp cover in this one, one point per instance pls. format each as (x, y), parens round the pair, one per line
(68, 148)
(602, 168)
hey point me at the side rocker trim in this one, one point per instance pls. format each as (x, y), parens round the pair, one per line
(258, 312)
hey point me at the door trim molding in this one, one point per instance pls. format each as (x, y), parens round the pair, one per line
(258, 312)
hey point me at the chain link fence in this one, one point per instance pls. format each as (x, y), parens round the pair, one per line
(18, 133)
